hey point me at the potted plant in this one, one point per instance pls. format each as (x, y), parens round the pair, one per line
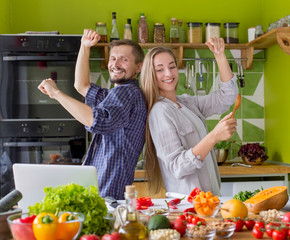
(253, 153)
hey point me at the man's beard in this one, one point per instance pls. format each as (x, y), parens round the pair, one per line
(122, 80)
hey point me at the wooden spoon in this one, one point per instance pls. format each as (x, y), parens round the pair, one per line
(237, 104)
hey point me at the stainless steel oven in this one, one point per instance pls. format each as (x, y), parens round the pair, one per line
(33, 127)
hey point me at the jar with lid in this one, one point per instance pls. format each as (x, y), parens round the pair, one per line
(259, 31)
(212, 30)
(288, 20)
(181, 32)
(231, 34)
(101, 29)
(174, 34)
(159, 33)
(194, 32)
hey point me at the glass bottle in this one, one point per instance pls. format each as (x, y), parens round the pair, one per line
(181, 32)
(128, 30)
(259, 31)
(174, 35)
(114, 32)
(143, 32)
(101, 29)
(131, 229)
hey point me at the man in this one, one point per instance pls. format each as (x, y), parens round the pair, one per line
(116, 117)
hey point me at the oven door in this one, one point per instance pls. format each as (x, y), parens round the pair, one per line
(20, 76)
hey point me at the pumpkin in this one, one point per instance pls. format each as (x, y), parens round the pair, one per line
(270, 198)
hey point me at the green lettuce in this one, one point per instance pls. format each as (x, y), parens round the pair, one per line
(76, 198)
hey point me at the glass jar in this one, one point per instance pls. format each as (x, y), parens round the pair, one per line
(159, 33)
(231, 34)
(288, 20)
(259, 31)
(284, 22)
(181, 32)
(194, 32)
(143, 34)
(212, 30)
(101, 29)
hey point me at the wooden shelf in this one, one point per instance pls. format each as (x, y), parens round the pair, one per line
(267, 40)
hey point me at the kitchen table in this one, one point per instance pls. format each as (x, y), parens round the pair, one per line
(160, 203)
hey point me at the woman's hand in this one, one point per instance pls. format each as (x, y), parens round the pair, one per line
(216, 45)
(90, 38)
(225, 128)
(48, 87)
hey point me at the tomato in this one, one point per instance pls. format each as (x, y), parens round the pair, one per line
(259, 224)
(239, 225)
(249, 223)
(189, 218)
(68, 227)
(113, 236)
(21, 231)
(270, 228)
(181, 217)
(179, 226)
(286, 218)
(90, 237)
(198, 221)
(257, 233)
(278, 234)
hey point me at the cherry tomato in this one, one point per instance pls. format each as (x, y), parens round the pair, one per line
(181, 217)
(198, 221)
(259, 224)
(90, 237)
(286, 218)
(239, 225)
(113, 236)
(278, 234)
(249, 223)
(189, 218)
(257, 233)
(270, 228)
(179, 226)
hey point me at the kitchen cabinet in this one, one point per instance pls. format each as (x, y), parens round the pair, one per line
(278, 35)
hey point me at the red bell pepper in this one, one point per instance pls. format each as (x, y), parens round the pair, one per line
(193, 194)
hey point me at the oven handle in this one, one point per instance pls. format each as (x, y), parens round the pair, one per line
(36, 58)
(33, 144)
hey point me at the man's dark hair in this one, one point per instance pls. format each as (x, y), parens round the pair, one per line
(137, 50)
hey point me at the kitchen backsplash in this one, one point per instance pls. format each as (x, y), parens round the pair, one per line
(250, 116)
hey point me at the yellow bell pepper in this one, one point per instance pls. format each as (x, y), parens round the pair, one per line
(68, 226)
(45, 226)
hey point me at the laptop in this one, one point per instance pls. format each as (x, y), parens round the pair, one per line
(30, 179)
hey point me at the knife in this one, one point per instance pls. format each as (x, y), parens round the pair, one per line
(112, 201)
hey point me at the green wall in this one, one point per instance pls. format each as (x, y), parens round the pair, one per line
(72, 16)
(5, 16)
(277, 89)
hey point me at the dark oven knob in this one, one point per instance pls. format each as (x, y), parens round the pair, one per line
(59, 128)
(25, 129)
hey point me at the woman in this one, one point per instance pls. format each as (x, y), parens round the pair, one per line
(178, 146)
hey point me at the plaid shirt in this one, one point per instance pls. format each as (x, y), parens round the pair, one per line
(119, 135)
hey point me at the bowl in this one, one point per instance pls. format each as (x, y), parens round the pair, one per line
(201, 232)
(210, 212)
(223, 229)
(164, 234)
(257, 161)
(221, 155)
(4, 227)
(65, 230)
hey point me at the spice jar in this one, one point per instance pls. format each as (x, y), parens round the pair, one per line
(143, 34)
(194, 32)
(212, 30)
(159, 33)
(231, 34)
(101, 29)
(259, 31)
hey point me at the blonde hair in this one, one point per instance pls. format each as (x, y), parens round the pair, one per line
(150, 88)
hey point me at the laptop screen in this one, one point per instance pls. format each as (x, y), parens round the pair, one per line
(30, 179)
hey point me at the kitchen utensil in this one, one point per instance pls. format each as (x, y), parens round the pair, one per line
(237, 104)
(201, 91)
(11, 199)
(241, 76)
(240, 164)
(221, 155)
(112, 201)
(193, 82)
(207, 77)
(187, 75)
(215, 84)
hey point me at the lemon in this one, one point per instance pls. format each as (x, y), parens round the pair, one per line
(234, 208)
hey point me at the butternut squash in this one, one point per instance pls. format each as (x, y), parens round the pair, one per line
(270, 198)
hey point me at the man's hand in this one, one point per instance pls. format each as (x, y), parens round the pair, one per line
(90, 38)
(48, 87)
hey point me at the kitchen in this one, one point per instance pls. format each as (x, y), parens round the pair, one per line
(44, 16)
